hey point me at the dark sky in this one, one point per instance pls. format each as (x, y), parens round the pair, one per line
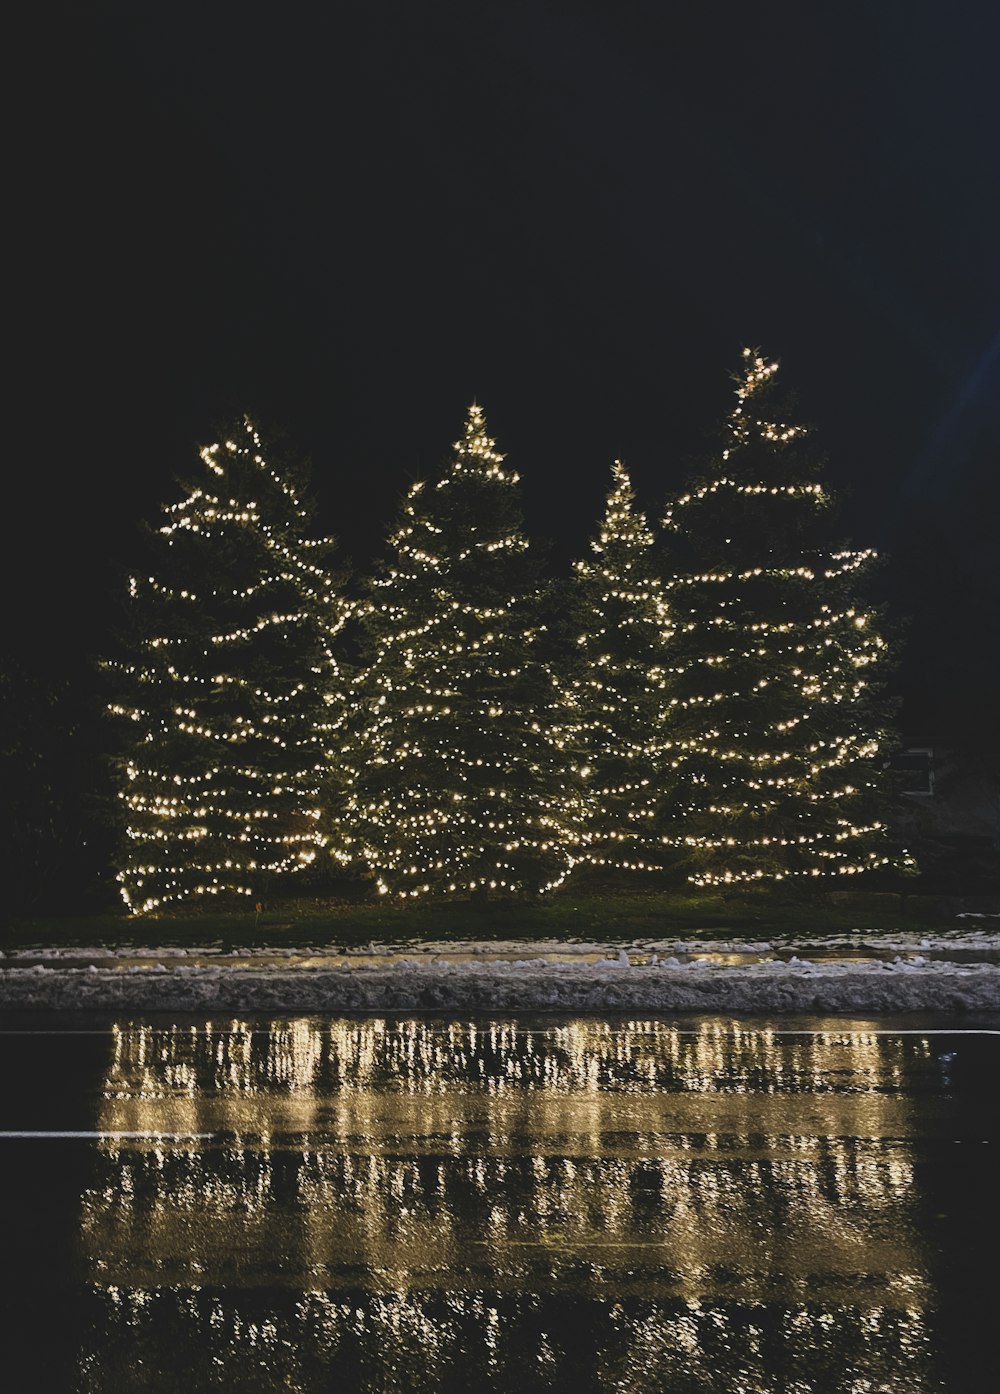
(351, 218)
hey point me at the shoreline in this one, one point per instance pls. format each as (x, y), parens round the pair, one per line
(425, 984)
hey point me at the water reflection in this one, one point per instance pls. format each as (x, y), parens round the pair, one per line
(419, 1205)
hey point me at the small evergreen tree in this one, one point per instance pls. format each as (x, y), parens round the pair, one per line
(620, 690)
(228, 686)
(776, 723)
(455, 775)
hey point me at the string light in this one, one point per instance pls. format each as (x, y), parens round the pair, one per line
(771, 768)
(726, 714)
(455, 762)
(618, 697)
(221, 789)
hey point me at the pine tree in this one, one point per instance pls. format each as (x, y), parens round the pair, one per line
(776, 720)
(455, 776)
(228, 686)
(620, 690)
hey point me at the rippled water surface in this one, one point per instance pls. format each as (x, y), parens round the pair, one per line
(554, 1204)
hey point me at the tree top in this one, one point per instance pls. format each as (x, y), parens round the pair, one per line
(476, 451)
(755, 374)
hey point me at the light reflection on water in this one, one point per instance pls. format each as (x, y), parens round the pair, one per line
(586, 1205)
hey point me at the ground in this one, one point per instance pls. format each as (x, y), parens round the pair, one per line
(619, 914)
(658, 951)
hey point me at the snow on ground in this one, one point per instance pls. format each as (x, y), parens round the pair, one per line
(892, 941)
(661, 975)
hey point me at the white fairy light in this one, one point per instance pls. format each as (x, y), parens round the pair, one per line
(454, 775)
(618, 701)
(772, 742)
(220, 785)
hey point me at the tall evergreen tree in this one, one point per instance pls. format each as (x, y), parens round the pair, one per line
(455, 775)
(229, 686)
(620, 689)
(776, 718)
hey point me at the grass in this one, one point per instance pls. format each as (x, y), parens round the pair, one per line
(581, 915)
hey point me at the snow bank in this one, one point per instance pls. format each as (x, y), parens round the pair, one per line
(439, 983)
(893, 941)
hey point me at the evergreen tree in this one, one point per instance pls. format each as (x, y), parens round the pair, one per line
(229, 686)
(776, 720)
(456, 779)
(620, 690)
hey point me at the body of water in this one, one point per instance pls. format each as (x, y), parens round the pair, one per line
(374, 1205)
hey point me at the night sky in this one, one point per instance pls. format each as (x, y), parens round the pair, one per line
(350, 219)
